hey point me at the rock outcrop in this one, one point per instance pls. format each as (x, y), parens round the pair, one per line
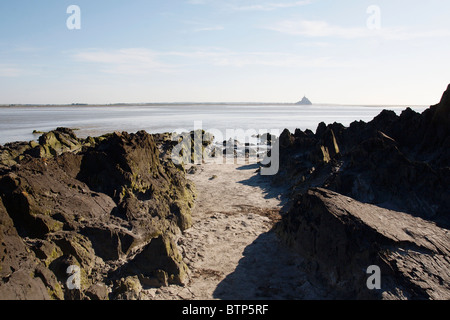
(111, 205)
(341, 238)
(383, 200)
(22, 274)
(397, 162)
(50, 144)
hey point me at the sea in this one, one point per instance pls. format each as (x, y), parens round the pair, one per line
(237, 121)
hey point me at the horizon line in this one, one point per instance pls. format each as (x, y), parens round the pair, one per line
(198, 103)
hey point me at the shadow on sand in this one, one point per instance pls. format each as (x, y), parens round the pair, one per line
(265, 184)
(269, 270)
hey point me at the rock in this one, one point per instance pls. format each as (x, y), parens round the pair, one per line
(442, 113)
(181, 210)
(58, 141)
(397, 162)
(97, 292)
(158, 279)
(21, 286)
(42, 198)
(53, 286)
(321, 128)
(45, 250)
(110, 242)
(191, 146)
(327, 147)
(126, 178)
(18, 265)
(329, 141)
(373, 193)
(115, 165)
(434, 138)
(95, 204)
(78, 246)
(50, 144)
(192, 170)
(286, 139)
(13, 153)
(341, 237)
(159, 259)
(128, 288)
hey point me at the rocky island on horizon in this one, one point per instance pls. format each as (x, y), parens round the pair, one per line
(304, 102)
(373, 193)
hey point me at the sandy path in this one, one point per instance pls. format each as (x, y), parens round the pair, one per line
(230, 250)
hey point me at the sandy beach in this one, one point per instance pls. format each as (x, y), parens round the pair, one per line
(231, 250)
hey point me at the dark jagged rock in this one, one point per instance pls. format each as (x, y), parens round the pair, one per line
(397, 162)
(22, 275)
(99, 204)
(401, 163)
(341, 237)
(158, 263)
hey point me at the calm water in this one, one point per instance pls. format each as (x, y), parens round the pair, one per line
(18, 123)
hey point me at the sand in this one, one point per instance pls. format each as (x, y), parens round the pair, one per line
(231, 250)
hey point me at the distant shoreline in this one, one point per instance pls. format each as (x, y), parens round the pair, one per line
(187, 104)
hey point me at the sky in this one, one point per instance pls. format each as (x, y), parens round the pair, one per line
(388, 52)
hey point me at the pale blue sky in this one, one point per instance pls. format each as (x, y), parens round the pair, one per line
(224, 50)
